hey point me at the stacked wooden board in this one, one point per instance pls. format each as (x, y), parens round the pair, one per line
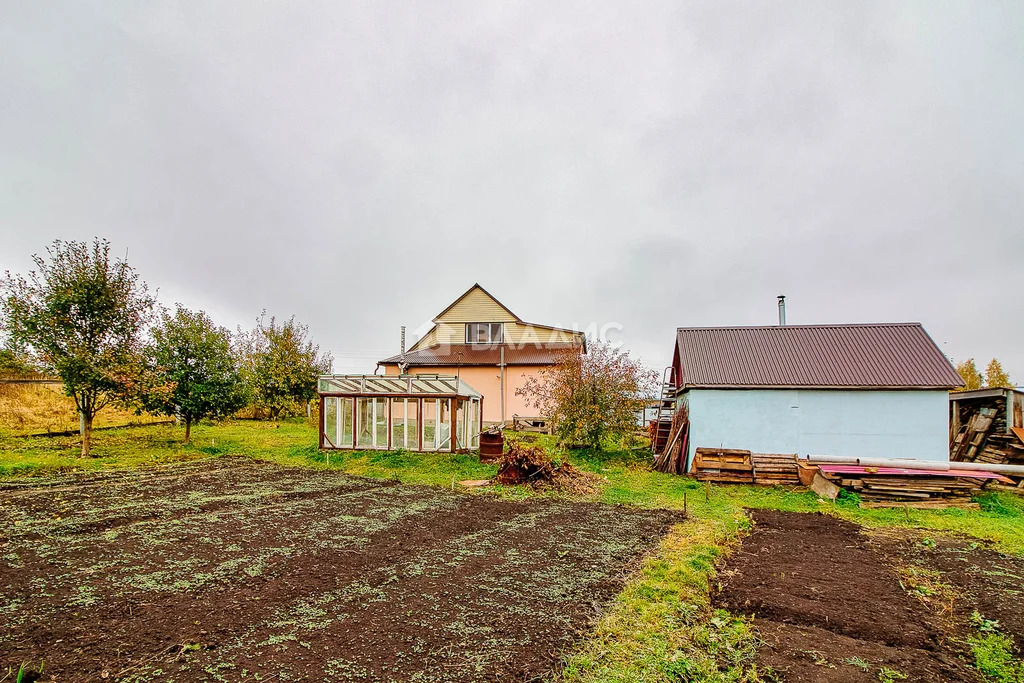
(1001, 449)
(723, 466)
(775, 469)
(887, 486)
(983, 437)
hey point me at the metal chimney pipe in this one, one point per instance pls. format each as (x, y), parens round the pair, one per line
(782, 310)
(401, 357)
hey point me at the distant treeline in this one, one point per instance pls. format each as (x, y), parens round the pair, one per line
(90, 321)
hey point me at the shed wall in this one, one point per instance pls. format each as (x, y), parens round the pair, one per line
(864, 423)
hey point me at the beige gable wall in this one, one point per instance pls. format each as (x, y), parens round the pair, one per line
(427, 340)
(478, 307)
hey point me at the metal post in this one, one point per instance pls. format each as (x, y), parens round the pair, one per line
(402, 366)
(501, 365)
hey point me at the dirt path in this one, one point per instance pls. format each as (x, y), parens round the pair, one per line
(830, 607)
(233, 570)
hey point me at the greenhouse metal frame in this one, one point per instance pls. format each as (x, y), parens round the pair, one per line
(428, 413)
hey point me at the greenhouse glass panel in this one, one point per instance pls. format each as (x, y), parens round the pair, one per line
(429, 420)
(444, 424)
(331, 421)
(399, 423)
(345, 418)
(460, 423)
(364, 422)
(380, 421)
(474, 424)
(412, 418)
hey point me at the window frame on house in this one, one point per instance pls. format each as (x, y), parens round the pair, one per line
(472, 328)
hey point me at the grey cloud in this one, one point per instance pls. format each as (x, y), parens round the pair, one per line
(653, 164)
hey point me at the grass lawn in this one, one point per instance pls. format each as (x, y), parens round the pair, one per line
(661, 627)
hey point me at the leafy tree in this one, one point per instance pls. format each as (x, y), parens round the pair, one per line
(280, 365)
(970, 375)
(14, 364)
(198, 372)
(81, 317)
(591, 397)
(995, 376)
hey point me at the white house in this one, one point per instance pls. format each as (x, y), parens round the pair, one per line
(869, 390)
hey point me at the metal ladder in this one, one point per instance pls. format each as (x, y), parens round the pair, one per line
(666, 409)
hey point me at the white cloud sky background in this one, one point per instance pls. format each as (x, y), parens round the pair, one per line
(657, 164)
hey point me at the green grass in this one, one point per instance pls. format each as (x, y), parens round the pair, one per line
(662, 626)
(994, 658)
(132, 447)
(994, 653)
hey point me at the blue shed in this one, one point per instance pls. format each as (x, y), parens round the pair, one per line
(865, 390)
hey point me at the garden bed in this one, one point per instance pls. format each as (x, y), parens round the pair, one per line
(229, 569)
(830, 605)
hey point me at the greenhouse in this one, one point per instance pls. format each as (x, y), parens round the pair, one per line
(412, 412)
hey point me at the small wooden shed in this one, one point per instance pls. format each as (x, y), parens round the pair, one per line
(411, 412)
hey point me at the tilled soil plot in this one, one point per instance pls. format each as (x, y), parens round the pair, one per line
(970, 578)
(830, 608)
(233, 570)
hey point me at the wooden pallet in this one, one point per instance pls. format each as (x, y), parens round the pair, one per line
(723, 465)
(775, 469)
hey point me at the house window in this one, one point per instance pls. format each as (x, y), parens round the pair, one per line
(484, 333)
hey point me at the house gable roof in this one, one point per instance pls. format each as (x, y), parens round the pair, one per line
(869, 356)
(479, 305)
(475, 288)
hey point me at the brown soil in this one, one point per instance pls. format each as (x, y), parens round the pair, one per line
(230, 570)
(829, 607)
(977, 578)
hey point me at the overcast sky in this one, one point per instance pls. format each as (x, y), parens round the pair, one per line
(655, 165)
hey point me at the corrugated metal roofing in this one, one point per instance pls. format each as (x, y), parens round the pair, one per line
(881, 355)
(483, 354)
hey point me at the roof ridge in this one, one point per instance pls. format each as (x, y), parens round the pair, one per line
(787, 326)
(851, 355)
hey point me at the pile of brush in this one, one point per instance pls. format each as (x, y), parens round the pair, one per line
(530, 465)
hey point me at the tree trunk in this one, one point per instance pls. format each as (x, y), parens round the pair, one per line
(86, 431)
(188, 429)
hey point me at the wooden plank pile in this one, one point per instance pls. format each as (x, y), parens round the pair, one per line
(723, 466)
(984, 437)
(969, 441)
(885, 490)
(1001, 449)
(673, 459)
(775, 469)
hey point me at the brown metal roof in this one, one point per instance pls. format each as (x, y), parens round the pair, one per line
(882, 355)
(483, 354)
